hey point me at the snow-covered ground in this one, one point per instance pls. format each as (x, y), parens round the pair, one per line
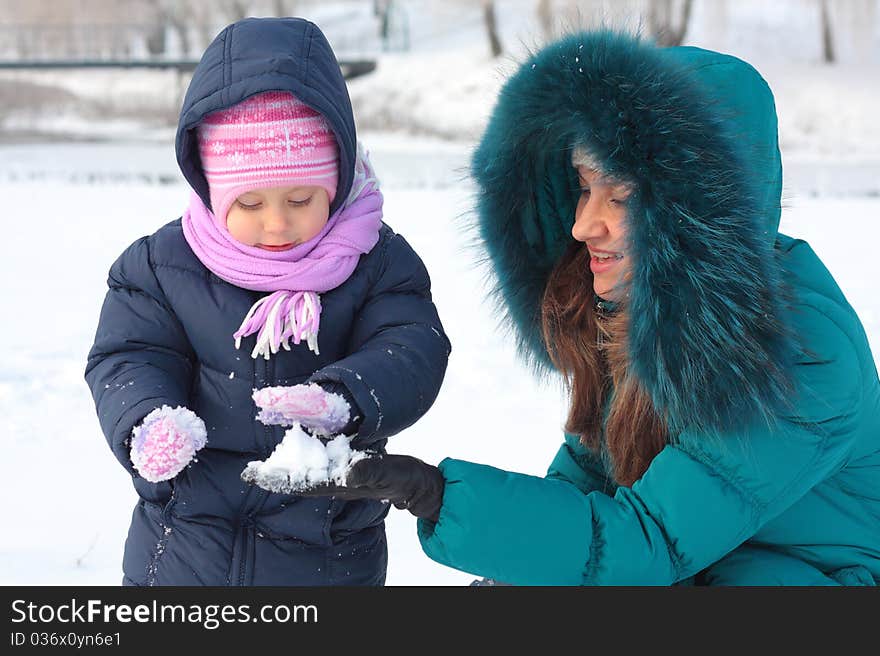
(73, 207)
(65, 500)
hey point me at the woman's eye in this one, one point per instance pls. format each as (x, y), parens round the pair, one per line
(300, 203)
(585, 191)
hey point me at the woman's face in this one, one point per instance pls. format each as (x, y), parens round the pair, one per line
(278, 218)
(599, 223)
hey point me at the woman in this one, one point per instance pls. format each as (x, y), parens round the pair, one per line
(725, 407)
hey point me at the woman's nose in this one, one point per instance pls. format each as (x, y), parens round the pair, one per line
(588, 223)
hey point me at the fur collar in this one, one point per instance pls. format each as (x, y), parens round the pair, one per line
(696, 132)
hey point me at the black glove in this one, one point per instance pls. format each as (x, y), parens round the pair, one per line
(405, 481)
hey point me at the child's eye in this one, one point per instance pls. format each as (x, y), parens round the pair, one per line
(248, 206)
(300, 203)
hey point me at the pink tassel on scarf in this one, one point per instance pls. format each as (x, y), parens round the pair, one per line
(280, 317)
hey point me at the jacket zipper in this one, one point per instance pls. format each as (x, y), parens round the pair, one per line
(245, 518)
(243, 558)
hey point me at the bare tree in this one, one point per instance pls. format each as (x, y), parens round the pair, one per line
(154, 27)
(179, 18)
(545, 18)
(278, 8)
(491, 27)
(571, 15)
(206, 22)
(854, 24)
(827, 37)
(661, 21)
(716, 20)
(197, 22)
(236, 10)
(381, 10)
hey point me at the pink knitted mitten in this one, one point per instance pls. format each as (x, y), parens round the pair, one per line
(165, 442)
(310, 405)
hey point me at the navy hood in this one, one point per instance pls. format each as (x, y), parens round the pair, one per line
(267, 54)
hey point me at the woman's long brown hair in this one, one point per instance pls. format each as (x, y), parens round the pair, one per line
(590, 350)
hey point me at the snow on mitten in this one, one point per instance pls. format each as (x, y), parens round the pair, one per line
(165, 442)
(325, 413)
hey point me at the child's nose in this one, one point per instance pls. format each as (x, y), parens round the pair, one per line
(275, 220)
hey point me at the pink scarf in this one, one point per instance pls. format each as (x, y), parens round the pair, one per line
(295, 276)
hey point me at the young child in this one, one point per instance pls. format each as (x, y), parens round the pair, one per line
(281, 285)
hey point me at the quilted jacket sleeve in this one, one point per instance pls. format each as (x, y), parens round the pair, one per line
(579, 466)
(399, 351)
(141, 359)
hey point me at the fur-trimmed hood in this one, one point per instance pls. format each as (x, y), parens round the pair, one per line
(695, 131)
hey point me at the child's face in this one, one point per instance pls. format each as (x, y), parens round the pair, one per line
(278, 218)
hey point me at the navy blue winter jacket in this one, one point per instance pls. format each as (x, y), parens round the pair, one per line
(165, 338)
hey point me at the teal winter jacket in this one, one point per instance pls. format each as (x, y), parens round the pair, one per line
(771, 472)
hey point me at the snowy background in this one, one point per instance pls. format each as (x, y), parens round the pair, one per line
(89, 166)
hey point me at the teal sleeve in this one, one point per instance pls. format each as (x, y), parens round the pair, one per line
(523, 530)
(699, 499)
(577, 465)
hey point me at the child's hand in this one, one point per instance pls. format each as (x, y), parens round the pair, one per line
(165, 442)
(323, 412)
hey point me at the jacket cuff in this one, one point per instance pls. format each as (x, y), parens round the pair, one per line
(363, 397)
(355, 414)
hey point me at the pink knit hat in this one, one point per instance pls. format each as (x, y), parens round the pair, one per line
(271, 139)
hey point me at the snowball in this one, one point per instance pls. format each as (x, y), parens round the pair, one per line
(301, 461)
(341, 458)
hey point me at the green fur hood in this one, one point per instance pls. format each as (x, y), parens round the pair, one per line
(695, 131)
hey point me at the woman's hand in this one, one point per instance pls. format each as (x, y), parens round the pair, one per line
(405, 481)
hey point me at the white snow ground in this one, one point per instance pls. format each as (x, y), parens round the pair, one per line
(65, 500)
(72, 208)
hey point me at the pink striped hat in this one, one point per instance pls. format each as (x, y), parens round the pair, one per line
(271, 139)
